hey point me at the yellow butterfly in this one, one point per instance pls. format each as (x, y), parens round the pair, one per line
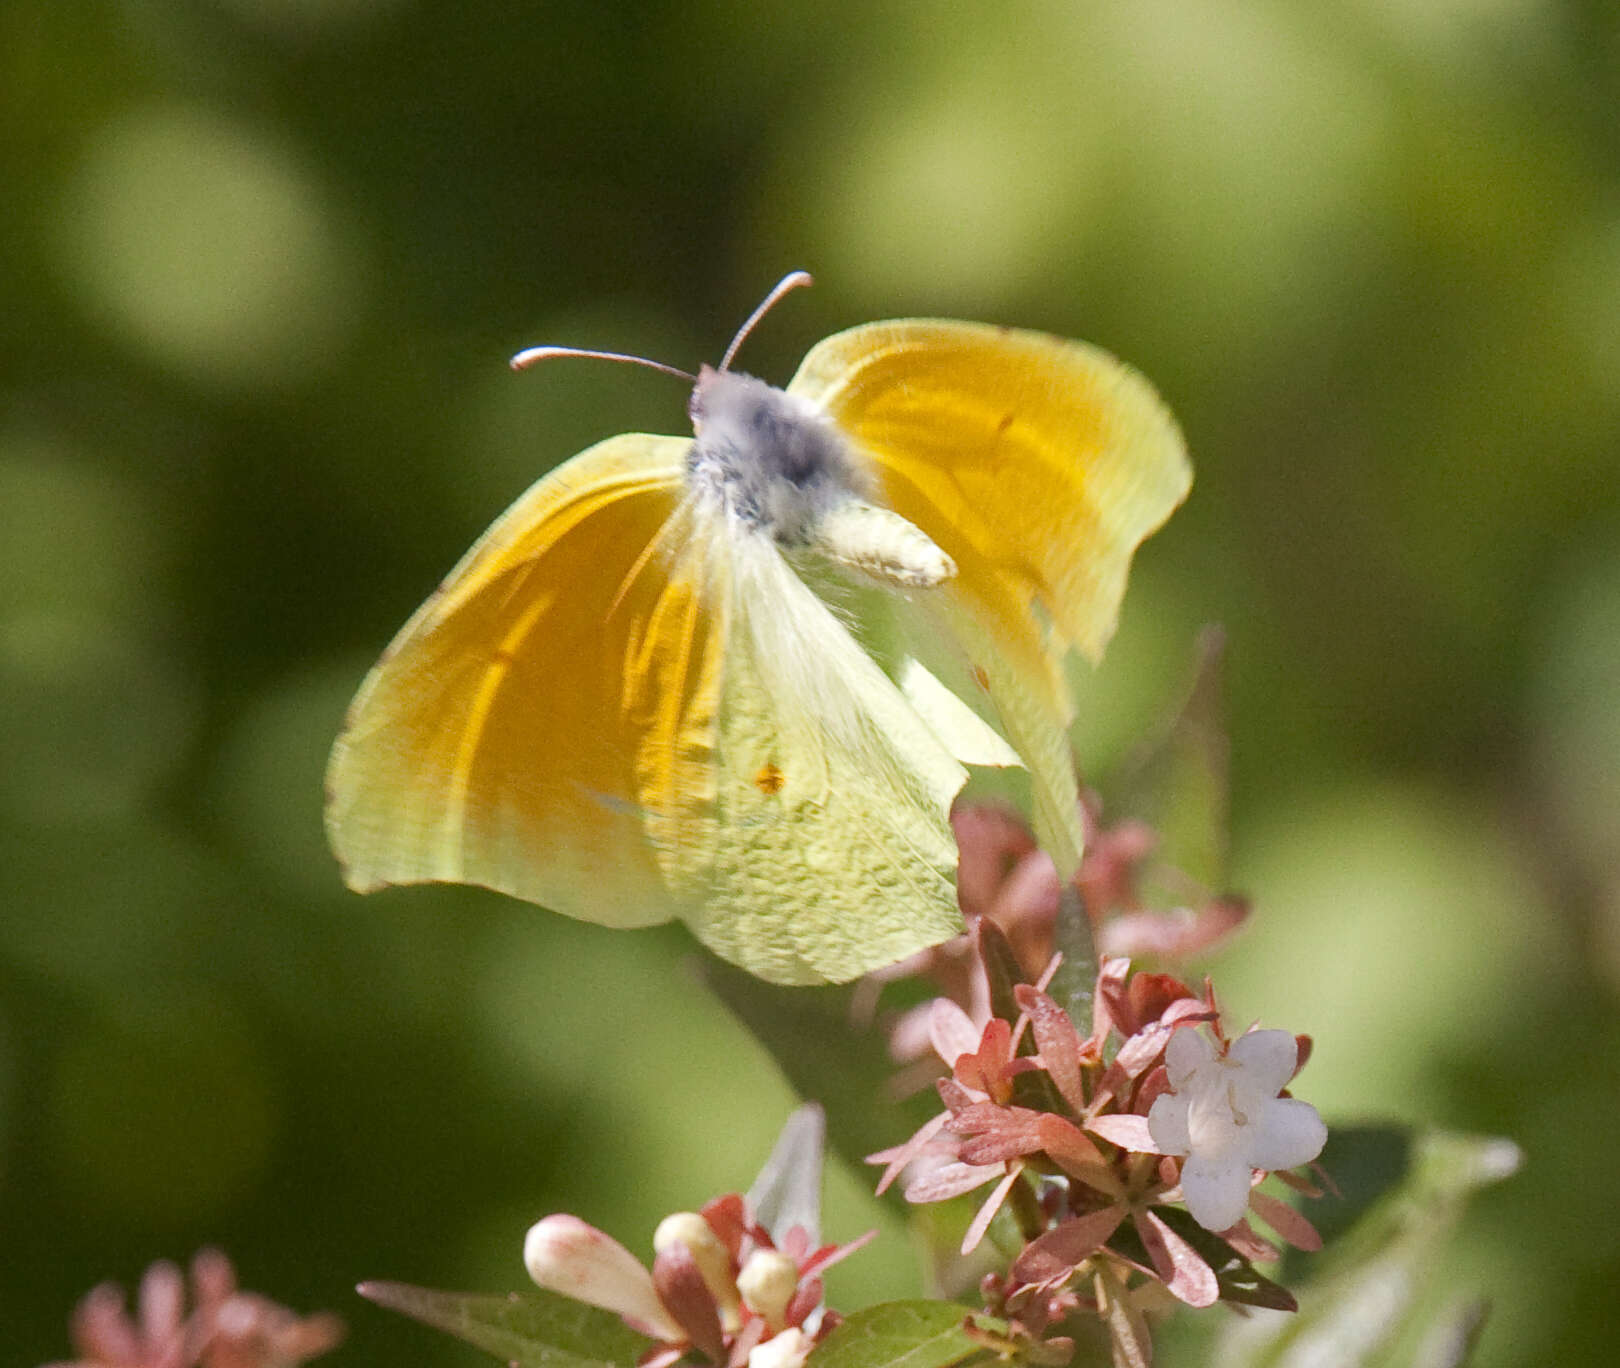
(628, 704)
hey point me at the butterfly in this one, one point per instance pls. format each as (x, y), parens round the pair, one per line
(665, 683)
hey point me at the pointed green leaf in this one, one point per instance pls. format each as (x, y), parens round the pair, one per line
(903, 1334)
(1075, 983)
(535, 1329)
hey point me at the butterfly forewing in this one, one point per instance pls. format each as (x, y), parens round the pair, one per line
(1038, 465)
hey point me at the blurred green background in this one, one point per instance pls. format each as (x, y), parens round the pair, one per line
(262, 263)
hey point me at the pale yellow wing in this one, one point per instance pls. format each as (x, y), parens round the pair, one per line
(559, 686)
(1038, 465)
(827, 851)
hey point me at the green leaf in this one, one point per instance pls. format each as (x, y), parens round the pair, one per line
(1366, 1164)
(535, 1329)
(1373, 1295)
(902, 1334)
(1075, 983)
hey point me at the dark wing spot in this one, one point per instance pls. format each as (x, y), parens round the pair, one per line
(981, 678)
(1005, 423)
(769, 780)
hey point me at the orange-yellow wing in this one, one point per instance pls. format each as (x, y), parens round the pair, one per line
(559, 686)
(1038, 465)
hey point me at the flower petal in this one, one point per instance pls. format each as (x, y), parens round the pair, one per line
(1188, 1051)
(950, 1180)
(1268, 1059)
(1054, 1256)
(1289, 1132)
(1183, 1270)
(767, 1283)
(680, 1286)
(1125, 1129)
(162, 1303)
(709, 1253)
(102, 1330)
(951, 1031)
(1217, 1194)
(1167, 1124)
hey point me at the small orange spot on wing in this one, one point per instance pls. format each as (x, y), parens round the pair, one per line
(981, 678)
(769, 780)
(1005, 423)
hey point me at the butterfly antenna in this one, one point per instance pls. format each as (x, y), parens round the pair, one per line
(791, 281)
(530, 356)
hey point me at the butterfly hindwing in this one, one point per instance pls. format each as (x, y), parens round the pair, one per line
(829, 847)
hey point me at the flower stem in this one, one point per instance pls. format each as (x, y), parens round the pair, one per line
(1027, 1209)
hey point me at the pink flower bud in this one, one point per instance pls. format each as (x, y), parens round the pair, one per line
(564, 1254)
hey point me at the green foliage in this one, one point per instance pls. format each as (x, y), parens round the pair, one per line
(534, 1329)
(1380, 1297)
(903, 1334)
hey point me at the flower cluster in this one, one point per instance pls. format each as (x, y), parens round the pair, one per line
(719, 1283)
(1092, 1140)
(226, 1327)
(1005, 877)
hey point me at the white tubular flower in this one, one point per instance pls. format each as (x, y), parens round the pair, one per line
(787, 1350)
(1224, 1115)
(564, 1254)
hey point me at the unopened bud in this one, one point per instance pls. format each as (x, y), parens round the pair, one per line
(564, 1254)
(767, 1283)
(710, 1256)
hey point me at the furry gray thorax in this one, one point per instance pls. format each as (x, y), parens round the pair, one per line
(770, 459)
